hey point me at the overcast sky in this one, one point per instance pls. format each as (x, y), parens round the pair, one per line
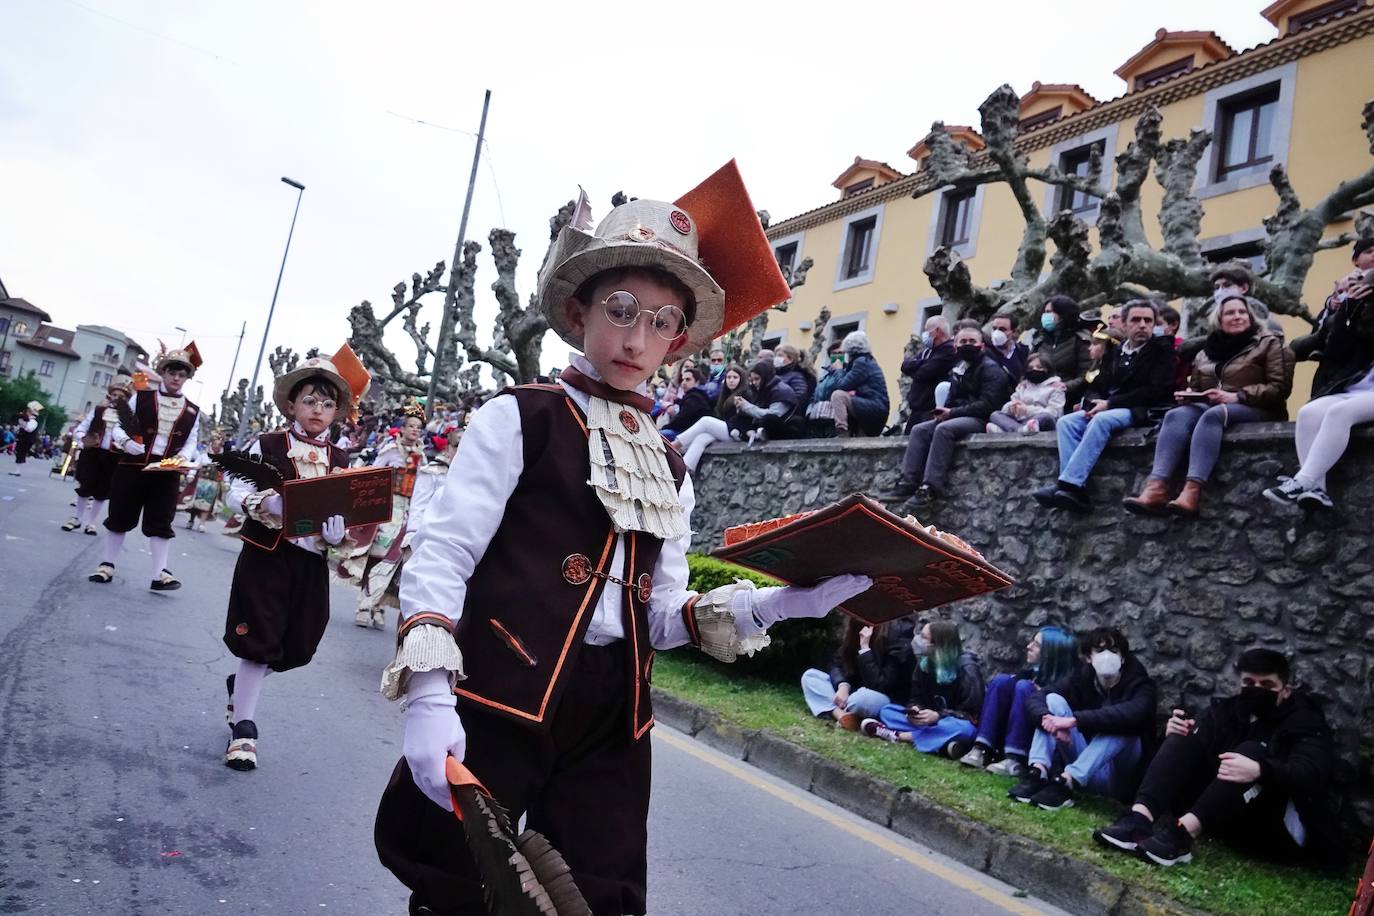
(142, 142)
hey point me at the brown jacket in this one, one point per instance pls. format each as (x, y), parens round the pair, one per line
(1262, 373)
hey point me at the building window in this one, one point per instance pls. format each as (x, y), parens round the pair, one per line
(835, 331)
(1320, 14)
(787, 256)
(1166, 72)
(1251, 254)
(4, 325)
(1245, 130)
(5, 361)
(957, 225)
(858, 187)
(20, 329)
(46, 367)
(771, 341)
(858, 248)
(1076, 162)
(1047, 116)
(109, 350)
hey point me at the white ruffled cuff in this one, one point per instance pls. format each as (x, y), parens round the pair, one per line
(726, 623)
(252, 505)
(424, 648)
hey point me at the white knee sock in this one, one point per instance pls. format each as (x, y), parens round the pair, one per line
(97, 507)
(83, 503)
(114, 543)
(159, 547)
(247, 687)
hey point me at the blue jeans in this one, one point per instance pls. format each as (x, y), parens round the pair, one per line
(1004, 724)
(1081, 441)
(928, 739)
(1195, 431)
(1106, 765)
(820, 696)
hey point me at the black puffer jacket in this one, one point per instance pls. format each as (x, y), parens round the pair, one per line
(691, 407)
(887, 670)
(1127, 708)
(982, 388)
(963, 697)
(1344, 344)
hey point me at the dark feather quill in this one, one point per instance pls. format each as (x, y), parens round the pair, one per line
(250, 469)
(127, 420)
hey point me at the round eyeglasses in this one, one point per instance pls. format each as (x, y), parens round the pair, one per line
(622, 310)
(310, 402)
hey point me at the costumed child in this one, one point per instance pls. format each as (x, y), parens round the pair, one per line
(279, 599)
(552, 568)
(26, 433)
(206, 487)
(375, 566)
(95, 464)
(159, 427)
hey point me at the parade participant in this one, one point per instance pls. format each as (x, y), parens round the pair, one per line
(95, 465)
(279, 599)
(161, 424)
(559, 566)
(26, 433)
(377, 563)
(207, 486)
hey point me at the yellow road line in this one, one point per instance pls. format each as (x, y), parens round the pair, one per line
(953, 876)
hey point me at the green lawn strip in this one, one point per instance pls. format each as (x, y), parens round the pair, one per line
(1217, 880)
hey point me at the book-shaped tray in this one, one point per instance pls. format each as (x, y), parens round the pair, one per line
(362, 496)
(913, 568)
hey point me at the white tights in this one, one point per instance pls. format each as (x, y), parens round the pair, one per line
(158, 547)
(1324, 432)
(88, 510)
(247, 688)
(699, 435)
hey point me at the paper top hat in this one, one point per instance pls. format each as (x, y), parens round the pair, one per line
(343, 369)
(188, 356)
(710, 239)
(34, 406)
(121, 382)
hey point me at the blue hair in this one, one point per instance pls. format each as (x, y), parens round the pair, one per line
(943, 657)
(1058, 654)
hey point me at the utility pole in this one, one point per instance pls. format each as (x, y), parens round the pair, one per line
(233, 367)
(451, 294)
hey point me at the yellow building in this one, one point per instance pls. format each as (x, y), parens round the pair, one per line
(1294, 100)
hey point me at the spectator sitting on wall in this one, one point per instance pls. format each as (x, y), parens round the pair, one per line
(716, 427)
(928, 368)
(775, 413)
(941, 716)
(1063, 343)
(1035, 405)
(1116, 319)
(1253, 769)
(1103, 339)
(665, 406)
(872, 668)
(859, 402)
(978, 386)
(1352, 286)
(1093, 725)
(1243, 374)
(819, 408)
(1002, 346)
(1346, 398)
(716, 372)
(792, 368)
(692, 404)
(1134, 378)
(1004, 726)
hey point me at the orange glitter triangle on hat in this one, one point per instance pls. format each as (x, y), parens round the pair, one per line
(353, 372)
(193, 354)
(733, 246)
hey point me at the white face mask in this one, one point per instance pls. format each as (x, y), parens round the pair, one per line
(1107, 664)
(920, 645)
(1223, 293)
(999, 338)
(927, 340)
(777, 362)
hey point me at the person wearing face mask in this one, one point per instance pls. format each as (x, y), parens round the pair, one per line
(1252, 769)
(941, 714)
(790, 365)
(1062, 343)
(1094, 725)
(774, 412)
(977, 387)
(928, 366)
(1002, 346)
(859, 401)
(1035, 405)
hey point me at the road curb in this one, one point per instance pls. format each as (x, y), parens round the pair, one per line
(1077, 886)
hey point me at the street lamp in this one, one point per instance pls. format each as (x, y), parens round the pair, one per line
(262, 350)
(177, 327)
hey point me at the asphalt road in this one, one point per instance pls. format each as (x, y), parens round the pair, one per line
(114, 800)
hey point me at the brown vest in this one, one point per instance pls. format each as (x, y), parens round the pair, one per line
(274, 447)
(532, 597)
(145, 410)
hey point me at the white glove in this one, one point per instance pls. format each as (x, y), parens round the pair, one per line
(272, 505)
(769, 605)
(333, 531)
(433, 732)
(134, 448)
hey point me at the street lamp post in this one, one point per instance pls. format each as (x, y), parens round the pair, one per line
(262, 350)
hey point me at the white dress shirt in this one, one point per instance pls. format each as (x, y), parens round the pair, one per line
(460, 521)
(111, 422)
(297, 450)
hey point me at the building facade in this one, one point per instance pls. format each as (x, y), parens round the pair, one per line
(48, 354)
(1294, 100)
(103, 351)
(19, 320)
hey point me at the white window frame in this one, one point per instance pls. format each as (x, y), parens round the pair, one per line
(1206, 185)
(841, 281)
(860, 318)
(926, 309)
(794, 239)
(968, 249)
(1108, 137)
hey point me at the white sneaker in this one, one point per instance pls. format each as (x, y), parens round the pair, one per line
(362, 618)
(977, 757)
(379, 619)
(1315, 498)
(1007, 766)
(1286, 493)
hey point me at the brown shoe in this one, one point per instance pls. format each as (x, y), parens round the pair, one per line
(850, 721)
(1151, 500)
(1185, 505)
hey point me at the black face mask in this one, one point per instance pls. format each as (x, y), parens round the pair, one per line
(1260, 702)
(969, 352)
(1037, 375)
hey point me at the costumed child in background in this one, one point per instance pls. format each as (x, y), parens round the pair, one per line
(279, 599)
(158, 428)
(377, 560)
(95, 465)
(550, 571)
(26, 433)
(207, 486)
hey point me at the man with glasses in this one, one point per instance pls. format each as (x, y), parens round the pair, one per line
(711, 386)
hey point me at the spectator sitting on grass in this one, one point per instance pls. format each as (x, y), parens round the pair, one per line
(775, 413)
(1004, 726)
(946, 695)
(1093, 725)
(1062, 344)
(1002, 346)
(1035, 405)
(928, 368)
(872, 668)
(692, 404)
(1253, 769)
(715, 427)
(859, 401)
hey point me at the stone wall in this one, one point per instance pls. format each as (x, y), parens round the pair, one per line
(1190, 595)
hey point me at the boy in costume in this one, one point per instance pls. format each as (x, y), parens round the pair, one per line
(545, 578)
(95, 465)
(279, 599)
(160, 426)
(26, 433)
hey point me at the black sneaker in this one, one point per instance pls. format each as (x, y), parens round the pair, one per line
(956, 749)
(903, 491)
(1045, 495)
(1071, 499)
(1170, 844)
(1055, 795)
(165, 582)
(242, 752)
(1028, 787)
(1126, 833)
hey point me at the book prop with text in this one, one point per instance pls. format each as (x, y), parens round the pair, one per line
(362, 495)
(914, 568)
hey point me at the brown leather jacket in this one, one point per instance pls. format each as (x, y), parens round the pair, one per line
(1262, 373)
